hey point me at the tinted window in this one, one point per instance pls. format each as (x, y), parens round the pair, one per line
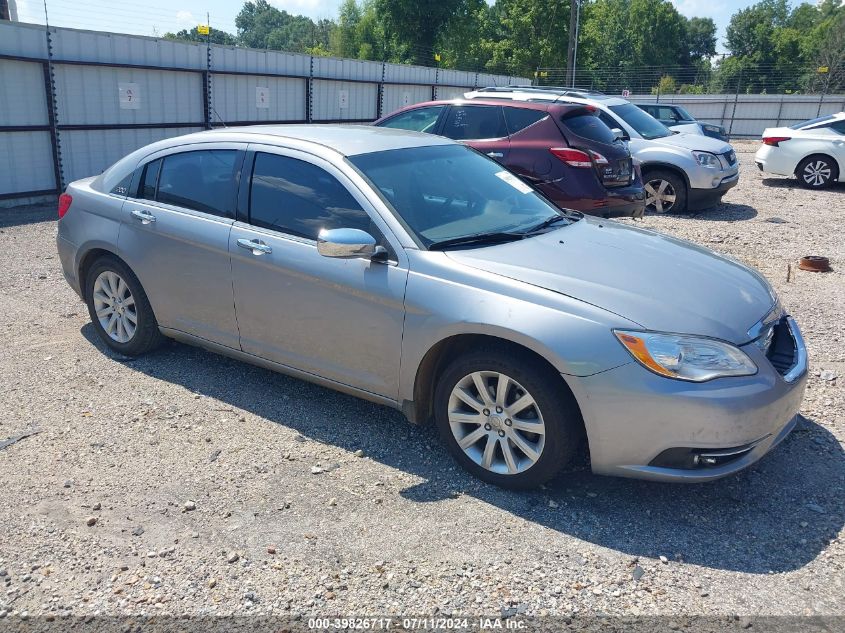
(444, 192)
(666, 114)
(150, 180)
(419, 120)
(203, 180)
(475, 122)
(610, 122)
(646, 126)
(299, 198)
(838, 126)
(520, 118)
(589, 126)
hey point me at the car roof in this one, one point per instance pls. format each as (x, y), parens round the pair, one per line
(348, 140)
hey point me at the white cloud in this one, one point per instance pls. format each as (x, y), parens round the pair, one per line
(311, 8)
(186, 18)
(700, 8)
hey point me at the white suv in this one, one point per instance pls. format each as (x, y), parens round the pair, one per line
(680, 171)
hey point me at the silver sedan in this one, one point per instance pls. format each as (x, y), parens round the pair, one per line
(415, 272)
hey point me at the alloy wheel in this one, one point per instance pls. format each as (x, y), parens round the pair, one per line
(115, 306)
(660, 195)
(816, 173)
(496, 422)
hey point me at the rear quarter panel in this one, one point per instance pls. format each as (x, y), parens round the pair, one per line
(93, 221)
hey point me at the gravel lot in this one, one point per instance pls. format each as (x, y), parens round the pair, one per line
(187, 483)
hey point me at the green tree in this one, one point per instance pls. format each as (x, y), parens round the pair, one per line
(521, 35)
(416, 24)
(217, 36)
(261, 25)
(345, 39)
(701, 38)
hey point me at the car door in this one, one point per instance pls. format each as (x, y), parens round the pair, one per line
(340, 319)
(175, 237)
(482, 127)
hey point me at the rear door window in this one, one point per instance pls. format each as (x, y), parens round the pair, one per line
(201, 180)
(469, 122)
(518, 119)
(419, 120)
(589, 127)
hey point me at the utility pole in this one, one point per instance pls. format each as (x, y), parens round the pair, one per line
(574, 11)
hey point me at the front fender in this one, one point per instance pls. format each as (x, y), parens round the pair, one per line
(446, 299)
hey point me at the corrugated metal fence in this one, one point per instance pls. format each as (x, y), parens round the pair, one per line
(73, 102)
(746, 116)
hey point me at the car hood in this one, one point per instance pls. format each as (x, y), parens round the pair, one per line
(662, 283)
(695, 141)
(686, 128)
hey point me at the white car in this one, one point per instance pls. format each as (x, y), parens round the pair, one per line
(813, 150)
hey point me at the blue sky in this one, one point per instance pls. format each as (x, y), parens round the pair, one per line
(160, 16)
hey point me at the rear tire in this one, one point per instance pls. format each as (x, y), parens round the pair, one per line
(665, 192)
(817, 172)
(528, 438)
(119, 308)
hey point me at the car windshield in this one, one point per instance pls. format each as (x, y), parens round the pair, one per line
(645, 125)
(451, 193)
(685, 116)
(803, 124)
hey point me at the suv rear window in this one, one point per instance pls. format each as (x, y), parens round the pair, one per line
(590, 127)
(520, 118)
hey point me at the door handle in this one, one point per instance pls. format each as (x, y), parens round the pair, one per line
(145, 216)
(257, 247)
(495, 154)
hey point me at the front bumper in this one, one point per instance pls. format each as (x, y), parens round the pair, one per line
(698, 199)
(632, 416)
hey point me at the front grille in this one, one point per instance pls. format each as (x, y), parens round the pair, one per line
(617, 173)
(730, 157)
(781, 353)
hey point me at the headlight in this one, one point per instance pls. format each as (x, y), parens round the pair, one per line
(686, 357)
(706, 159)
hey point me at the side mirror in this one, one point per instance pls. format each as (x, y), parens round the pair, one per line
(346, 243)
(620, 135)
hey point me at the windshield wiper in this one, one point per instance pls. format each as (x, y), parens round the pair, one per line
(476, 240)
(549, 221)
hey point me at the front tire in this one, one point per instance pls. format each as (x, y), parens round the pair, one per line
(817, 172)
(119, 308)
(506, 419)
(665, 192)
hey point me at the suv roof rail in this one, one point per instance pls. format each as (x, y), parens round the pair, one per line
(549, 90)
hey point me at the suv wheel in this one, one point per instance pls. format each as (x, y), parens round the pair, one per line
(119, 308)
(506, 420)
(665, 192)
(817, 172)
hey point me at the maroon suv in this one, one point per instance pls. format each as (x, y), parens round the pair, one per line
(563, 150)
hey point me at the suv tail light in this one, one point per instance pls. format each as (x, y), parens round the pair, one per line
(64, 204)
(578, 158)
(774, 140)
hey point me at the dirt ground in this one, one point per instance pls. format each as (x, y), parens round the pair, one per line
(187, 483)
